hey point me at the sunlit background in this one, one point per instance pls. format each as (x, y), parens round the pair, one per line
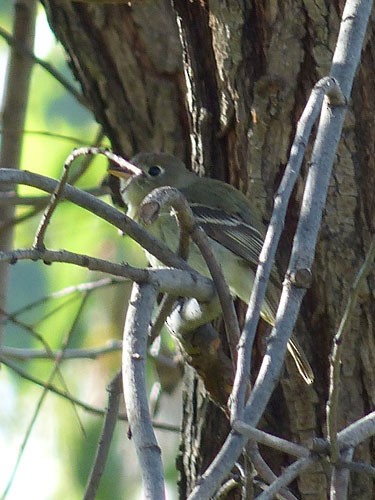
(60, 447)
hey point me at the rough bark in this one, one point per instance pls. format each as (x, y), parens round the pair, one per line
(249, 67)
(128, 62)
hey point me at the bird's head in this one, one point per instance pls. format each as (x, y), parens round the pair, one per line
(148, 171)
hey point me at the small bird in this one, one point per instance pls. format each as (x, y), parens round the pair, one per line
(224, 213)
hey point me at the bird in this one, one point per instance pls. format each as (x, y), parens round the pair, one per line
(235, 231)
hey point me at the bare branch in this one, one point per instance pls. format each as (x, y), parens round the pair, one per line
(55, 370)
(89, 408)
(358, 467)
(56, 195)
(167, 280)
(89, 353)
(272, 441)
(340, 478)
(267, 255)
(53, 135)
(288, 475)
(358, 431)
(328, 134)
(89, 286)
(83, 167)
(100, 209)
(173, 197)
(137, 323)
(264, 470)
(114, 397)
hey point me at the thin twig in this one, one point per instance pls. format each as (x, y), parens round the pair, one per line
(85, 353)
(337, 349)
(53, 135)
(357, 467)
(70, 290)
(164, 311)
(39, 404)
(85, 164)
(110, 419)
(56, 195)
(226, 300)
(136, 327)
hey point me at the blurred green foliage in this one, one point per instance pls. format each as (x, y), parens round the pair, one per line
(59, 454)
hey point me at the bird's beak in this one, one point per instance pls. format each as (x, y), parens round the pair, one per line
(125, 170)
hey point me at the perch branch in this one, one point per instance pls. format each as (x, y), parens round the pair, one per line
(101, 209)
(167, 280)
(188, 225)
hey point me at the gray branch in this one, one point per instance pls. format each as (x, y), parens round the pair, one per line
(189, 228)
(267, 255)
(288, 475)
(137, 323)
(100, 209)
(269, 440)
(165, 279)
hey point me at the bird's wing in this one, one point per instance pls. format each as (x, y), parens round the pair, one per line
(230, 231)
(246, 241)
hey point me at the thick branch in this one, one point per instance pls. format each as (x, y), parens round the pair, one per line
(267, 255)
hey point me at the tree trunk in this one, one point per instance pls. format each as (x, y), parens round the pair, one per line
(249, 69)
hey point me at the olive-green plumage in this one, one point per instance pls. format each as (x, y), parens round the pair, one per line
(226, 216)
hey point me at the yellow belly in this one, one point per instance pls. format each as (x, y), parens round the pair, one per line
(238, 275)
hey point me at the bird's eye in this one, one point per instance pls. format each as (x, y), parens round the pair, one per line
(154, 170)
